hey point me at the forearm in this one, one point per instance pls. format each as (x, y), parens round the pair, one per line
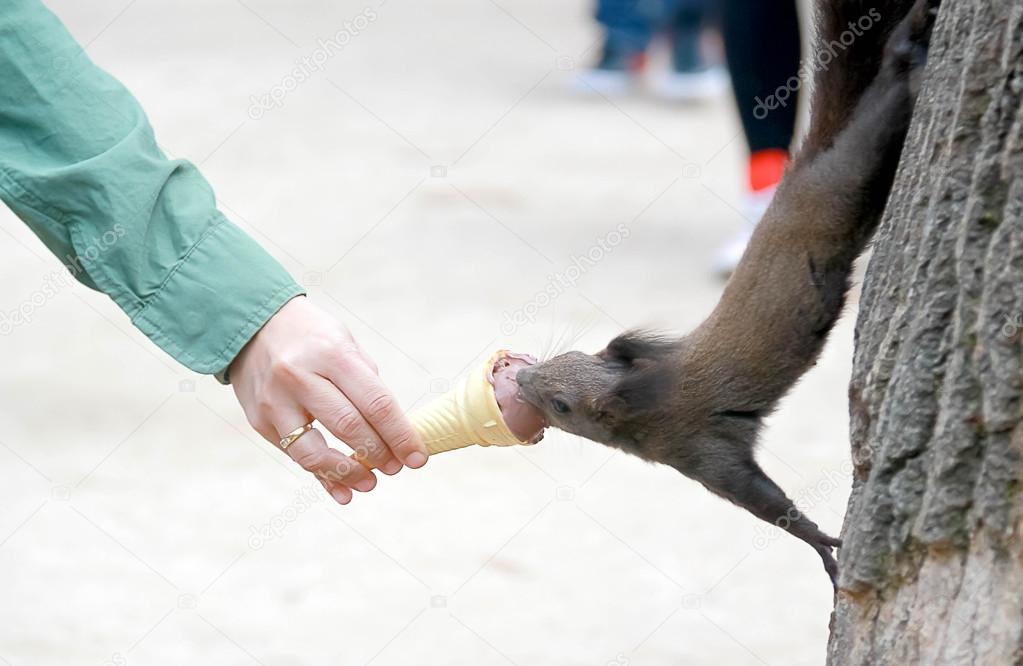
(80, 165)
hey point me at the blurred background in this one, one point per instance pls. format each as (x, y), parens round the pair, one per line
(449, 182)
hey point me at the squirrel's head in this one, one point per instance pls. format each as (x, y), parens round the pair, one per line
(608, 397)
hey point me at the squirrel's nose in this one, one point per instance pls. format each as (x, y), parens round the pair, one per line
(524, 376)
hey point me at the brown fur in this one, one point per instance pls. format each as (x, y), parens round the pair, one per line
(697, 402)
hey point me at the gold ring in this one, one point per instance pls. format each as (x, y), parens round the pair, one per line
(293, 436)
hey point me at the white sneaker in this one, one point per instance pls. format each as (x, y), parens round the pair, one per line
(669, 84)
(728, 255)
(603, 82)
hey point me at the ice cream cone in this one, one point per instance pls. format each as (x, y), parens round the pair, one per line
(467, 414)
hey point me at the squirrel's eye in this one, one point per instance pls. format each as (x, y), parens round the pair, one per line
(560, 406)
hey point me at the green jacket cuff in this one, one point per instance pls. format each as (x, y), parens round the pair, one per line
(215, 299)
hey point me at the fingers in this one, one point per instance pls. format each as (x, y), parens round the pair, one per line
(335, 471)
(281, 379)
(342, 494)
(365, 357)
(378, 406)
(336, 412)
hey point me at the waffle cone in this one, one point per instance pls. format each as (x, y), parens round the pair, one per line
(467, 414)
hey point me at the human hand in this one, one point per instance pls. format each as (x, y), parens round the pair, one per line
(304, 365)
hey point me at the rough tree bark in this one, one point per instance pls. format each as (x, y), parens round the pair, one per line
(932, 566)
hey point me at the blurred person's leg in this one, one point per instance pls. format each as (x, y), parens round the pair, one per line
(762, 47)
(686, 26)
(690, 76)
(628, 30)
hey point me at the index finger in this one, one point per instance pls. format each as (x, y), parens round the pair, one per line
(380, 408)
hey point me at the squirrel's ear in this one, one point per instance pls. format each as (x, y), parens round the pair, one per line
(631, 346)
(644, 380)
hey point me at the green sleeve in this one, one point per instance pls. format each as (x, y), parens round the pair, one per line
(80, 166)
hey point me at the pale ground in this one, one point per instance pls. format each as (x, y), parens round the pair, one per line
(131, 494)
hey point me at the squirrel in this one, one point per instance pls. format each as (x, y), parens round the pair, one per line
(696, 403)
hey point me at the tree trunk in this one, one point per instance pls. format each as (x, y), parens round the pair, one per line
(932, 563)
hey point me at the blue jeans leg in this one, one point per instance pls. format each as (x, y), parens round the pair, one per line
(628, 30)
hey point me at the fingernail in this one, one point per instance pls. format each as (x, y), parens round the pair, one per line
(366, 485)
(391, 467)
(415, 460)
(340, 497)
